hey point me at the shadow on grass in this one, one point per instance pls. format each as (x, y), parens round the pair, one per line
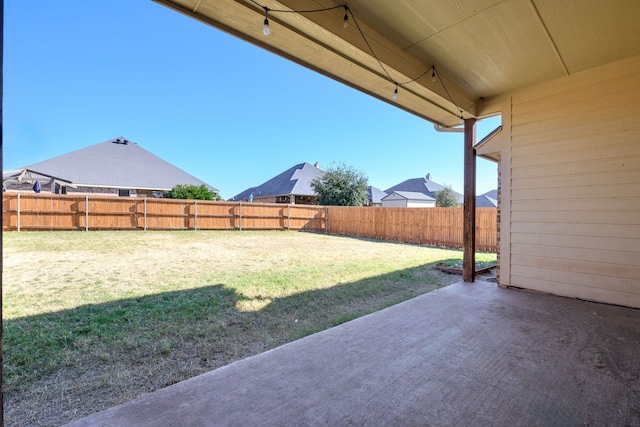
(149, 342)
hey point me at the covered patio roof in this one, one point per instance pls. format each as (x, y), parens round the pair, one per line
(481, 49)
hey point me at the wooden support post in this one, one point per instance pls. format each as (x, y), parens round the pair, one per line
(469, 256)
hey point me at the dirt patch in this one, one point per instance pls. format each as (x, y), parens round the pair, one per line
(487, 274)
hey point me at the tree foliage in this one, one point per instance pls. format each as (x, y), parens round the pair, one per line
(447, 198)
(191, 192)
(342, 185)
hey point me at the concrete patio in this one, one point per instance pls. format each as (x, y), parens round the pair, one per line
(467, 354)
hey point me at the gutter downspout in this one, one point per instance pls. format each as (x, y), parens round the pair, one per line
(441, 128)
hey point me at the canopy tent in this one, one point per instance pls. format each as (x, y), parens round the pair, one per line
(31, 177)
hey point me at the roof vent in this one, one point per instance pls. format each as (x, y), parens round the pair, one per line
(428, 177)
(120, 141)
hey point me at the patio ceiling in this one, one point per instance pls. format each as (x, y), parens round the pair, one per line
(482, 49)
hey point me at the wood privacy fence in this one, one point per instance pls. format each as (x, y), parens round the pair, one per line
(57, 212)
(431, 226)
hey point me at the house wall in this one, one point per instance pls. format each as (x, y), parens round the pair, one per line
(46, 188)
(571, 186)
(401, 202)
(394, 203)
(421, 203)
(269, 199)
(97, 191)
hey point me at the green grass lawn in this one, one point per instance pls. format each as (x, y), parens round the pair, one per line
(95, 319)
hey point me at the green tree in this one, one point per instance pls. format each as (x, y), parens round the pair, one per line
(191, 192)
(342, 185)
(447, 198)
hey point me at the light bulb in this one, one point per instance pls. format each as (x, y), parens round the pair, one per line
(265, 29)
(346, 21)
(461, 120)
(395, 93)
(433, 75)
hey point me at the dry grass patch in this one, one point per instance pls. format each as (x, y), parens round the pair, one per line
(95, 319)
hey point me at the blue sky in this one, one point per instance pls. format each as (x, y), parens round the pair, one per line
(77, 73)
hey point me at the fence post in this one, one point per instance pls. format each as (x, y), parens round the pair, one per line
(86, 213)
(195, 214)
(145, 214)
(288, 217)
(18, 212)
(240, 217)
(326, 219)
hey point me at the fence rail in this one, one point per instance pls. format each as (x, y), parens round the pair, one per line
(431, 226)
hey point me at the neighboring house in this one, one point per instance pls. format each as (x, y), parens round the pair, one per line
(487, 200)
(291, 186)
(408, 199)
(421, 185)
(115, 167)
(375, 196)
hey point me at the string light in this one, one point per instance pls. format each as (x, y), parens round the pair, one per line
(265, 29)
(346, 17)
(434, 72)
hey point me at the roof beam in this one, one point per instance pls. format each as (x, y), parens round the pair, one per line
(548, 34)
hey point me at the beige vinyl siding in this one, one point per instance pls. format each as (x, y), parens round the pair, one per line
(574, 196)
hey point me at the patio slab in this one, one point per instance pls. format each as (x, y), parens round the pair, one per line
(467, 354)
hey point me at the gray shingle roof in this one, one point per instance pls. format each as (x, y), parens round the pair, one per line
(487, 200)
(420, 185)
(116, 164)
(295, 180)
(375, 194)
(411, 195)
(493, 194)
